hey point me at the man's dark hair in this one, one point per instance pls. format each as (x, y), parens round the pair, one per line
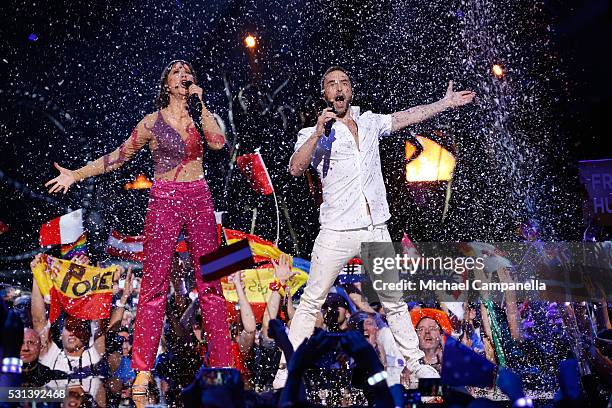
(333, 301)
(163, 97)
(332, 69)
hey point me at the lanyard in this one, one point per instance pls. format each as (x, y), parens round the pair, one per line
(70, 365)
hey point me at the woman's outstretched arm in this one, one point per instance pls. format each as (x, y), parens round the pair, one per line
(109, 162)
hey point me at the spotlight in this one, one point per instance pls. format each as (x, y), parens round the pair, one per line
(250, 41)
(498, 70)
(140, 183)
(433, 163)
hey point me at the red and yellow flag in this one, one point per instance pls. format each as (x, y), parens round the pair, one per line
(257, 284)
(257, 281)
(83, 291)
(262, 250)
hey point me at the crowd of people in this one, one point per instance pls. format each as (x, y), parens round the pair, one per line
(352, 342)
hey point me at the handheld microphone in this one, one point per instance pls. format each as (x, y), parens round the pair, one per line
(330, 123)
(194, 106)
(194, 100)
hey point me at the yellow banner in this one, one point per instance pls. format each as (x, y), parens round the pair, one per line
(257, 284)
(71, 279)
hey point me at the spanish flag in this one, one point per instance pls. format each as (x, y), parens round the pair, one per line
(83, 291)
(257, 288)
(262, 250)
(257, 284)
(257, 281)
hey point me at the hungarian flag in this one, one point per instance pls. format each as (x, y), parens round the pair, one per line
(352, 272)
(254, 169)
(62, 230)
(83, 291)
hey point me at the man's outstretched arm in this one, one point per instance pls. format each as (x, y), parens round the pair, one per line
(417, 114)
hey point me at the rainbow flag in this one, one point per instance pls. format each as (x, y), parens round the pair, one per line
(301, 264)
(78, 247)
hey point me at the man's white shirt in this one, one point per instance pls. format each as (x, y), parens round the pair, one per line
(350, 175)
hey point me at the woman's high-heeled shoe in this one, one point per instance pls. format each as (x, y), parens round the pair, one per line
(140, 386)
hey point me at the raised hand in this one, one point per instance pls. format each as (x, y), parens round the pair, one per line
(237, 278)
(61, 182)
(117, 274)
(194, 89)
(455, 99)
(127, 286)
(37, 259)
(325, 117)
(282, 269)
(81, 260)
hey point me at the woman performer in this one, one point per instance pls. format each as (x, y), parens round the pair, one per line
(179, 199)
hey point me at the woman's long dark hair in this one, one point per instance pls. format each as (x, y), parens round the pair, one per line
(163, 97)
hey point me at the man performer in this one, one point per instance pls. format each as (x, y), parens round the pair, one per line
(354, 208)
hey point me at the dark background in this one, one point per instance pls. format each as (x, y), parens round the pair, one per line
(77, 77)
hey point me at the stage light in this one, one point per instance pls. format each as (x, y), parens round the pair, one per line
(3, 227)
(433, 163)
(498, 70)
(250, 41)
(140, 183)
